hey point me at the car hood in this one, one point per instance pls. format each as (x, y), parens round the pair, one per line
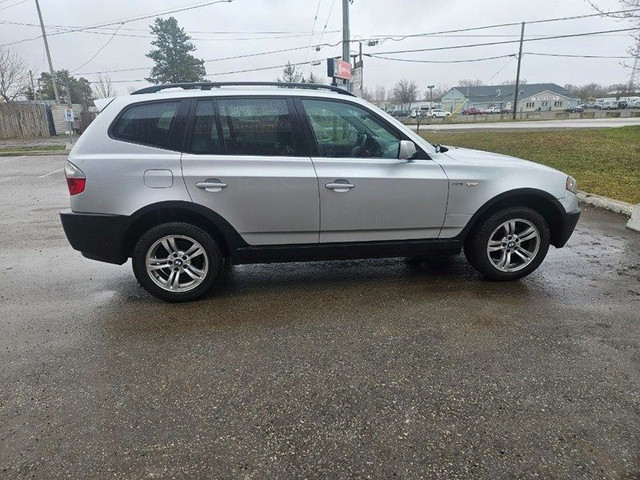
(479, 157)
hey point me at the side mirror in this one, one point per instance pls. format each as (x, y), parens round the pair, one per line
(407, 150)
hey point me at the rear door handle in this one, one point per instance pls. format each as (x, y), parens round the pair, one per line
(340, 186)
(211, 185)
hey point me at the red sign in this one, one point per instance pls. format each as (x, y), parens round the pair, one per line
(342, 70)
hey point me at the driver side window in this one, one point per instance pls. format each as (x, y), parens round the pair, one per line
(343, 130)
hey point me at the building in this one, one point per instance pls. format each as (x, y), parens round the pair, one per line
(536, 97)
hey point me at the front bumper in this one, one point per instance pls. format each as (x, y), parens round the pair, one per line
(569, 222)
(98, 237)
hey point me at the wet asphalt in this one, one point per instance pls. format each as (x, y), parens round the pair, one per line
(350, 369)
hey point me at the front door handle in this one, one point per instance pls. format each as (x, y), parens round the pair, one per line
(211, 185)
(340, 186)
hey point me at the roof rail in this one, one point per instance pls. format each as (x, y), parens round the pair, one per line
(210, 85)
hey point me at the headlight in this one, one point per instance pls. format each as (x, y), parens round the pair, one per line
(572, 185)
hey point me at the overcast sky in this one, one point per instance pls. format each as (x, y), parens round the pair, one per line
(295, 18)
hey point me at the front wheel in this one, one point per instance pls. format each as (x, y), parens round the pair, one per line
(176, 262)
(509, 245)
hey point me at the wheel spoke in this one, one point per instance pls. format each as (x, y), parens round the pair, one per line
(526, 255)
(529, 234)
(158, 266)
(194, 251)
(495, 245)
(169, 245)
(512, 227)
(193, 272)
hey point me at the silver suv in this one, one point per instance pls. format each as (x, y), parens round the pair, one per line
(183, 178)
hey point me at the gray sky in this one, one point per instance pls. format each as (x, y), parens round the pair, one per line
(295, 18)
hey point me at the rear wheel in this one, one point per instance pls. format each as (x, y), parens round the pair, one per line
(177, 262)
(509, 245)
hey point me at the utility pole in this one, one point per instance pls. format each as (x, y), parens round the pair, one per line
(430, 87)
(515, 94)
(46, 47)
(346, 46)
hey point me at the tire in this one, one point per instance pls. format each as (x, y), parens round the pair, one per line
(187, 261)
(511, 257)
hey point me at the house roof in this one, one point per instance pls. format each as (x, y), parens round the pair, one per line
(489, 93)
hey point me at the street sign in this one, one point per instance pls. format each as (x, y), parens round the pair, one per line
(68, 114)
(338, 69)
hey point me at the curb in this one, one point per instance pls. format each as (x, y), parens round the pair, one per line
(615, 206)
(634, 221)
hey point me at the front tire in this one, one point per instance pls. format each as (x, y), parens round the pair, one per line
(177, 262)
(509, 245)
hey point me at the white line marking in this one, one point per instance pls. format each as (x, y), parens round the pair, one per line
(51, 173)
(12, 158)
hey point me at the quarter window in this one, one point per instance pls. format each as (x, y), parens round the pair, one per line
(257, 126)
(347, 131)
(147, 124)
(205, 139)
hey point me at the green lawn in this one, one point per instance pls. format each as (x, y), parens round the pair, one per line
(605, 161)
(36, 148)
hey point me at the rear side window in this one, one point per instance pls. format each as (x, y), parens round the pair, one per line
(257, 126)
(147, 124)
(205, 139)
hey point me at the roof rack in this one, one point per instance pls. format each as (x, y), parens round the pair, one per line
(210, 85)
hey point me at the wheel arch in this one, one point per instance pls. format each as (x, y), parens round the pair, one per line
(543, 202)
(178, 211)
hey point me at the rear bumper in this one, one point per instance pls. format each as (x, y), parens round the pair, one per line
(98, 237)
(569, 222)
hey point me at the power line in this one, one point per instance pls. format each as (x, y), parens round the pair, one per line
(576, 56)
(97, 53)
(234, 57)
(13, 5)
(127, 20)
(313, 28)
(218, 32)
(373, 55)
(398, 38)
(505, 42)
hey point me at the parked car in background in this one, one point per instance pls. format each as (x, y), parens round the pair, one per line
(622, 104)
(574, 110)
(610, 104)
(492, 110)
(439, 113)
(473, 111)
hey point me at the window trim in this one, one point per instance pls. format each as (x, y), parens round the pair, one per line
(299, 137)
(175, 132)
(310, 138)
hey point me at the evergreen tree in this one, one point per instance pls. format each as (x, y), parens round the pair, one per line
(80, 87)
(173, 60)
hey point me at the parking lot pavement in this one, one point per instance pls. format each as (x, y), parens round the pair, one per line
(358, 369)
(534, 125)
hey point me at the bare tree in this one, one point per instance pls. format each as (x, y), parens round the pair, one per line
(629, 10)
(438, 92)
(103, 87)
(14, 75)
(523, 81)
(367, 95)
(470, 83)
(405, 91)
(380, 94)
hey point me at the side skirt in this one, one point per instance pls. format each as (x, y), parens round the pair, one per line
(344, 251)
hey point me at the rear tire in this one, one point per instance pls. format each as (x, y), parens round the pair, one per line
(509, 245)
(177, 262)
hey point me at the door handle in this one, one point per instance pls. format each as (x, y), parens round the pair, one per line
(340, 186)
(211, 185)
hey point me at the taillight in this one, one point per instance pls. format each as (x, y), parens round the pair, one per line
(76, 179)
